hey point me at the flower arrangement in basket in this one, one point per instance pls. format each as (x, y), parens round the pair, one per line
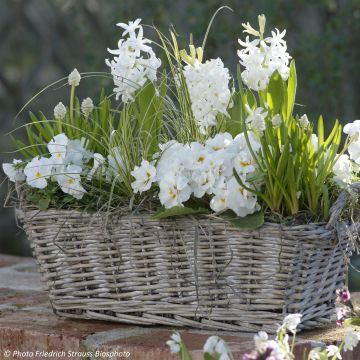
(192, 198)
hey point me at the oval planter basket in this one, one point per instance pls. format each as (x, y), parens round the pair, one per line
(199, 272)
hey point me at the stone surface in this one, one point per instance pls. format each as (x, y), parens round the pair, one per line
(30, 330)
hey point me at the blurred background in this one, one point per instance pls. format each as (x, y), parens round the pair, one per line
(43, 40)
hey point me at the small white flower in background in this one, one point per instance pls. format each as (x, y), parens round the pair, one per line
(70, 182)
(261, 340)
(59, 111)
(37, 171)
(351, 340)
(276, 121)
(174, 191)
(99, 160)
(314, 141)
(13, 172)
(174, 343)
(216, 346)
(144, 175)
(304, 121)
(130, 28)
(354, 151)
(57, 148)
(74, 78)
(315, 354)
(343, 171)
(291, 322)
(208, 86)
(256, 119)
(87, 106)
(333, 350)
(353, 130)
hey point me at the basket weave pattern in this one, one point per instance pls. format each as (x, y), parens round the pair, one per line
(197, 272)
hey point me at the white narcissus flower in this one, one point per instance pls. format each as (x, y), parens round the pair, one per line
(37, 171)
(353, 129)
(13, 172)
(291, 322)
(69, 181)
(98, 162)
(256, 119)
(174, 191)
(208, 86)
(57, 148)
(74, 78)
(351, 340)
(59, 111)
(343, 170)
(87, 106)
(304, 121)
(174, 343)
(333, 350)
(276, 121)
(144, 175)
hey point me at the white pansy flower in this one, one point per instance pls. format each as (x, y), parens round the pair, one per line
(13, 172)
(59, 111)
(57, 148)
(244, 163)
(144, 175)
(304, 121)
(99, 160)
(256, 119)
(70, 182)
(37, 171)
(87, 106)
(74, 78)
(208, 86)
(202, 182)
(262, 58)
(135, 62)
(353, 129)
(351, 340)
(343, 170)
(333, 350)
(219, 142)
(174, 191)
(76, 152)
(291, 322)
(276, 121)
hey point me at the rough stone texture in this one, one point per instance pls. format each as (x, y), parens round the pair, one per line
(27, 324)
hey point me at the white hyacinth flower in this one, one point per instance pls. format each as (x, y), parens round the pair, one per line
(276, 121)
(131, 27)
(353, 129)
(208, 86)
(333, 351)
(351, 340)
(343, 170)
(304, 121)
(37, 171)
(291, 322)
(216, 346)
(87, 106)
(74, 78)
(174, 343)
(256, 119)
(13, 172)
(59, 111)
(70, 182)
(144, 175)
(354, 151)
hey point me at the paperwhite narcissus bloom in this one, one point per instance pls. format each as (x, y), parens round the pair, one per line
(135, 62)
(99, 160)
(276, 121)
(87, 106)
(13, 172)
(343, 171)
(74, 78)
(57, 148)
(256, 119)
(208, 86)
(37, 171)
(174, 343)
(291, 322)
(144, 176)
(351, 340)
(304, 121)
(59, 111)
(262, 58)
(353, 129)
(70, 182)
(174, 191)
(333, 350)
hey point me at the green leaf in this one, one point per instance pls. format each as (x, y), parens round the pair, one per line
(291, 89)
(249, 222)
(233, 123)
(207, 356)
(178, 211)
(184, 353)
(275, 93)
(354, 321)
(43, 203)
